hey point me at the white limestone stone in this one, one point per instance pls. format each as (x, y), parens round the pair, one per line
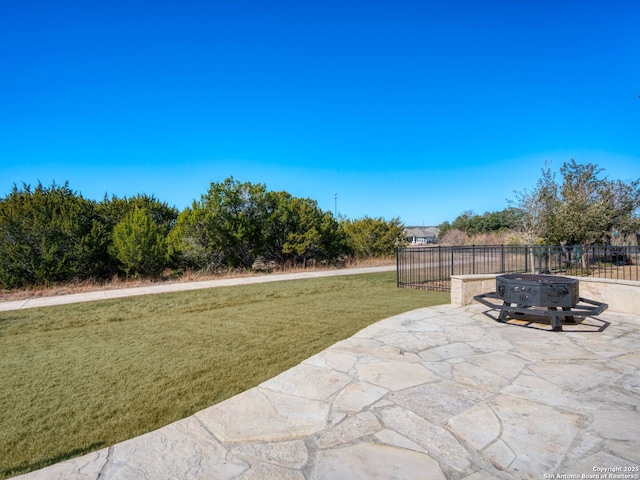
(447, 317)
(271, 472)
(614, 397)
(578, 377)
(395, 439)
(438, 402)
(631, 383)
(395, 375)
(626, 336)
(293, 454)
(450, 350)
(463, 333)
(437, 441)
(489, 346)
(308, 381)
(455, 360)
(375, 331)
(263, 415)
(501, 455)
(603, 460)
(471, 374)
(539, 435)
(335, 417)
(414, 320)
(420, 327)
(507, 365)
(629, 358)
(350, 429)
(330, 359)
(550, 349)
(183, 450)
(627, 450)
(442, 369)
(389, 352)
(478, 427)
(616, 424)
(532, 387)
(599, 345)
(357, 396)
(480, 475)
(430, 339)
(586, 443)
(356, 346)
(369, 461)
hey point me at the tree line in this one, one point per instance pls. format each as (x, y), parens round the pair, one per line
(51, 235)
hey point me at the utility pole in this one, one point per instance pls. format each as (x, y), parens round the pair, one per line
(335, 198)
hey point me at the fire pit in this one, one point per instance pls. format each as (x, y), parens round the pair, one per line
(538, 290)
(542, 296)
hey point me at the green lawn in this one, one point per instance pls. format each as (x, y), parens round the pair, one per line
(81, 377)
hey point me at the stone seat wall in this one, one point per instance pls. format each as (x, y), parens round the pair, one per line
(622, 296)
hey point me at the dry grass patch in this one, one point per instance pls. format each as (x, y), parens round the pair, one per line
(77, 378)
(168, 277)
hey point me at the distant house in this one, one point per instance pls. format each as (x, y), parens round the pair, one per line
(421, 235)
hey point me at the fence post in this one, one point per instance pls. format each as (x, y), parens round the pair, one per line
(502, 258)
(539, 259)
(473, 259)
(452, 247)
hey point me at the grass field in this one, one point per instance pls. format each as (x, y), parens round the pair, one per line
(81, 377)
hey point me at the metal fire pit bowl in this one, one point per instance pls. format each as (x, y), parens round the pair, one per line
(538, 290)
(542, 296)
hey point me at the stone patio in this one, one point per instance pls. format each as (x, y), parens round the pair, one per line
(442, 392)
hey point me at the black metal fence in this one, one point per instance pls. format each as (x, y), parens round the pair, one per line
(430, 268)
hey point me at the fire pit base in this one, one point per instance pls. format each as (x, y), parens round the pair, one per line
(540, 296)
(556, 317)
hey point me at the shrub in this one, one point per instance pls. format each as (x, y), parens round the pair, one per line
(139, 244)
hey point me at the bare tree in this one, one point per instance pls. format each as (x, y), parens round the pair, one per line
(537, 209)
(455, 237)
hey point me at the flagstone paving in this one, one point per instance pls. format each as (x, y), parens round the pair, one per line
(435, 393)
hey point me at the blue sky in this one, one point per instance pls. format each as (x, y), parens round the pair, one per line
(412, 109)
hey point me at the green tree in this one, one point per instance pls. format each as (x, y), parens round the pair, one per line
(591, 207)
(373, 237)
(139, 244)
(489, 222)
(224, 229)
(465, 222)
(444, 227)
(319, 239)
(113, 210)
(45, 236)
(189, 242)
(235, 223)
(296, 230)
(285, 217)
(624, 204)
